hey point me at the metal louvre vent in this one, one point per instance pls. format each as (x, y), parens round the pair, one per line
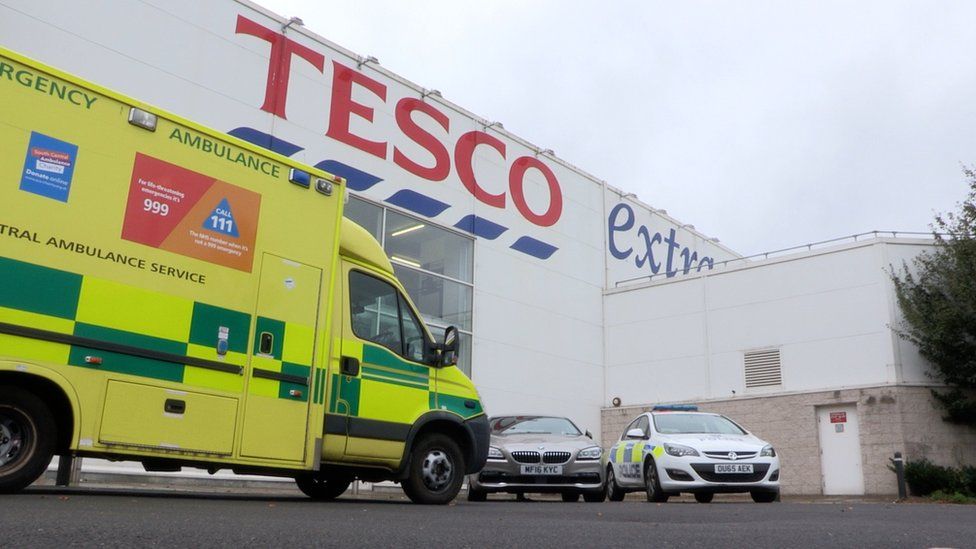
(763, 368)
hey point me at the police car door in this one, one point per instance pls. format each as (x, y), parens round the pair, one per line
(627, 456)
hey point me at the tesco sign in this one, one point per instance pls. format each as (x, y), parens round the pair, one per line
(446, 154)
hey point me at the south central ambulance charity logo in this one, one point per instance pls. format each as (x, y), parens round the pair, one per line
(49, 167)
(221, 220)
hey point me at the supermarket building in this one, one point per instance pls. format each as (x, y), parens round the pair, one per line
(572, 296)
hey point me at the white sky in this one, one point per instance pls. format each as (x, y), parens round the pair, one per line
(766, 124)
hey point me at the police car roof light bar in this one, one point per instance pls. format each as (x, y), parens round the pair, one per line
(675, 408)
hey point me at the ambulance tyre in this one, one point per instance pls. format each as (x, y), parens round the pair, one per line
(322, 487)
(436, 470)
(27, 438)
(614, 491)
(653, 484)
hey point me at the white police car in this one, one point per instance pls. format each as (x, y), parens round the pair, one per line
(675, 449)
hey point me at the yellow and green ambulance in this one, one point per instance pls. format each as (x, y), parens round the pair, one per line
(182, 298)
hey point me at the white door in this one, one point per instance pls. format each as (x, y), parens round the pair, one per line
(840, 450)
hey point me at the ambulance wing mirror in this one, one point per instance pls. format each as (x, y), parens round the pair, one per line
(448, 349)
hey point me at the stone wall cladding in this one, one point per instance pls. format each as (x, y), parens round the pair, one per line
(891, 419)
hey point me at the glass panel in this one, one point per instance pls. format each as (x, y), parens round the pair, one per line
(366, 215)
(413, 334)
(374, 311)
(419, 244)
(440, 301)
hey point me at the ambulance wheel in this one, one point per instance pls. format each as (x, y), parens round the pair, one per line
(436, 470)
(322, 487)
(614, 491)
(477, 495)
(653, 484)
(27, 433)
(570, 497)
(704, 497)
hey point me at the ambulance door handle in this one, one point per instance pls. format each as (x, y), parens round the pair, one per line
(349, 366)
(173, 406)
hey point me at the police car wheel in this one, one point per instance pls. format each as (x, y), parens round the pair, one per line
(570, 497)
(27, 435)
(764, 497)
(436, 470)
(704, 497)
(614, 491)
(322, 487)
(477, 495)
(652, 484)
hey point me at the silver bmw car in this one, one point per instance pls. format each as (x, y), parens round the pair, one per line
(539, 454)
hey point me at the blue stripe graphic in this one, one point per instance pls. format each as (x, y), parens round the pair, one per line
(266, 140)
(480, 226)
(356, 179)
(418, 203)
(535, 248)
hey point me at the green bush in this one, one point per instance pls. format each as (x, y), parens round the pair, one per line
(967, 480)
(924, 477)
(954, 497)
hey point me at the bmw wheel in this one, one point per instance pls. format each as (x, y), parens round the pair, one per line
(653, 484)
(614, 491)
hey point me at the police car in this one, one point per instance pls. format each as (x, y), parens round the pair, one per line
(675, 449)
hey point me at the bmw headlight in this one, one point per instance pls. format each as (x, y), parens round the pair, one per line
(593, 452)
(679, 450)
(495, 453)
(767, 451)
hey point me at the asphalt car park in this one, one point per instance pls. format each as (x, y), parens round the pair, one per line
(126, 518)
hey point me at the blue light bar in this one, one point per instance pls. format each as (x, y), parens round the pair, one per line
(675, 408)
(300, 177)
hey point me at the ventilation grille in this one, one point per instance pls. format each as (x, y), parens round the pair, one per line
(763, 368)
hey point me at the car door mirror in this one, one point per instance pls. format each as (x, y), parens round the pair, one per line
(589, 435)
(636, 432)
(447, 351)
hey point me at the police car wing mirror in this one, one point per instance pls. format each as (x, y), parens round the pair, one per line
(636, 432)
(589, 435)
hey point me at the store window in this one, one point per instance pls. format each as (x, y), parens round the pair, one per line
(435, 266)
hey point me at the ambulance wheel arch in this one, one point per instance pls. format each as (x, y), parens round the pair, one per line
(27, 438)
(448, 424)
(54, 392)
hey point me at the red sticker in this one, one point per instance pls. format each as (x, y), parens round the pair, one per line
(838, 417)
(182, 211)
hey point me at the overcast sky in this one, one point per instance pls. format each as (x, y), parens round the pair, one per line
(765, 124)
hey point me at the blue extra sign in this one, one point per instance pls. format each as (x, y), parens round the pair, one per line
(49, 167)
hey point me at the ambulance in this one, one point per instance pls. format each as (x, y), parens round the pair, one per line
(181, 298)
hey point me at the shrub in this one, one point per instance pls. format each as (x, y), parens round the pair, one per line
(924, 477)
(967, 480)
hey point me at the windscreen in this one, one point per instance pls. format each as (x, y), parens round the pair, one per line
(676, 424)
(535, 425)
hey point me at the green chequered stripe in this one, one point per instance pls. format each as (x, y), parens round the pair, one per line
(52, 292)
(284, 386)
(207, 321)
(344, 395)
(127, 364)
(29, 287)
(455, 404)
(318, 387)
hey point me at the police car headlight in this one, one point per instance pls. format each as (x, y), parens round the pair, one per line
(495, 453)
(768, 451)
(594, 452)
(679, 450)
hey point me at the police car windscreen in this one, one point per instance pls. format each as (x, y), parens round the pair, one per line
(676, 424)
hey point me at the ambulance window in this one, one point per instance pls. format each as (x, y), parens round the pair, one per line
(413, 334)
(375, 314)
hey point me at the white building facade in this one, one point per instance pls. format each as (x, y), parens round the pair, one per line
(537, 262)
